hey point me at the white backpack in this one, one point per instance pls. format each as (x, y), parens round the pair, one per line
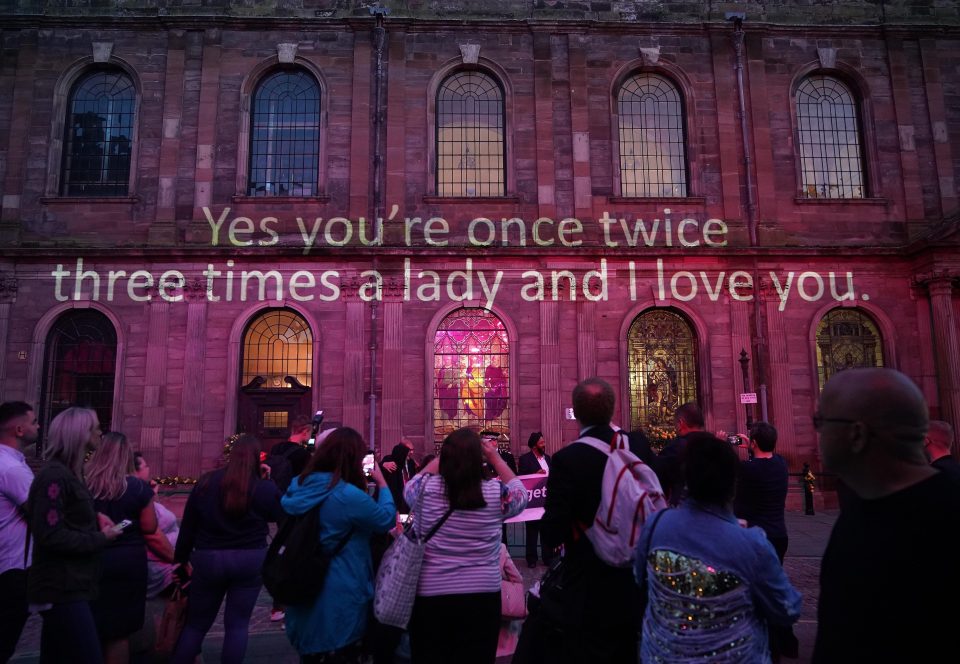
(629, 495)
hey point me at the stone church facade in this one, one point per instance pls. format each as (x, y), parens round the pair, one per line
(218, 216)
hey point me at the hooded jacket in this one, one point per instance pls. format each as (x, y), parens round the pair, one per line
(338, 616)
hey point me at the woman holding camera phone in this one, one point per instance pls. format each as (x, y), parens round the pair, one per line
(128, 501)
(330, 627)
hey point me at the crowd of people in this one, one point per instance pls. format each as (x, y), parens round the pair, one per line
(85, 543)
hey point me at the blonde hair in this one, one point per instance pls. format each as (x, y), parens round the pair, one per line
(106, 472)
(69, 434)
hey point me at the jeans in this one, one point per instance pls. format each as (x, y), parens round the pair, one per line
(13, 610)
(234, 573)
(69, 635)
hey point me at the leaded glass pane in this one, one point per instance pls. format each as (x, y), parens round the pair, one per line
(471, 145)
(828, 125)
(662, 366)
(277, 344)
(285, 135)
(99, 135)
(847, 339)
(80, 366)
(652, 138)
(471, 374)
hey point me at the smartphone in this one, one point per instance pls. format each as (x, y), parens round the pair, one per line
(119, 527)
(368, 464)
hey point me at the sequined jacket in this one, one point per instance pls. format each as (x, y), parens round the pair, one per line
(712, 588)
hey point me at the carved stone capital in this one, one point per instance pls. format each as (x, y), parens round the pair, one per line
(8, 288)
(650, 55)
(939, 281)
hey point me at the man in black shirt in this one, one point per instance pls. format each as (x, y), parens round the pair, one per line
(762, 487)
(293, 450)
(879, 602)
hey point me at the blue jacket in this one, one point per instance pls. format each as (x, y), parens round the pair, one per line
(338, 616)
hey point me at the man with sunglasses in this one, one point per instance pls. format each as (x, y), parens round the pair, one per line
(879, 599)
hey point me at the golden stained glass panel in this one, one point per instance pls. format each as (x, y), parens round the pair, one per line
(847, 339)
(278, 343)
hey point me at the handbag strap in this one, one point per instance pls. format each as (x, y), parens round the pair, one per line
(436, 526)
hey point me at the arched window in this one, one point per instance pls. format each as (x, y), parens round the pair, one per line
(471, 374)
(285, 135)
(471, 138)
(98, 136)
(662, 368)
(829, 138)
(80, 365)
(847, 339)
(277, 347)
(653, 158)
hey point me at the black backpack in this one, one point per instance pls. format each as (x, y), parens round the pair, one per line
(296, 564)
(281, 470)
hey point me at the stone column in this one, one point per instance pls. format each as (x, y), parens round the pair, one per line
(354, 412)
(551, 403)
(155, 380)
(781, 394)
(391, 404)
(739, 341)
(188, 454)
(946, 346)
(587, 341)
(8, 295)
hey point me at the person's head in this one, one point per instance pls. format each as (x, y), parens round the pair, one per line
(688, 418)
(710, 468)
(427, 459)
(341, 454)
(243, 470)
(764, 435)
(141, 469)
(399, 453)
(300, 429)
(461, 467)
(537, 443)
(939, 440)
(593, 402)
(869, 418)
(73, 433)
(406, 442)
(18, 424)
(106, 472)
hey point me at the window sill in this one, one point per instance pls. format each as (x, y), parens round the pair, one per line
(320, 198)
(674, 200)
(99, 200)
(470, 200)
(840, 201)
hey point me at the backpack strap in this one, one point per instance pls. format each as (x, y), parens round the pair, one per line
(598, 444)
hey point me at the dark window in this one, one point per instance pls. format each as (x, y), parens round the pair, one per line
(471, 364)
(285, 135)
(99, 135)
(277, 344)
(828, 123)
(80, 366)
(662, 366)
(653, 158)
(471, 143)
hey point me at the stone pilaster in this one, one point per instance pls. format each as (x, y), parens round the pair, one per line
(551, 403)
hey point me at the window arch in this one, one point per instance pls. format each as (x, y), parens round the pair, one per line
(652, 137)
(98, 134)
(79, 366)
(847, 338)
(285, 135)
(830, 139)
(471, 136)
(662, 369)
(471, 380)
(277, 347)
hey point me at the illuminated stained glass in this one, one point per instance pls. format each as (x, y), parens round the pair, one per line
(662, 366)
(277, 344)
(847, 339)
(471, 374)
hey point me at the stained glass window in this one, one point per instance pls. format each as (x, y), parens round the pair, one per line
(285, 135)
(652, 152)
(828, 125)
(471, 143)
(80, 365)
(662, 366)
(471, 374)
(99, 135)
(847, 339)
(278, 344)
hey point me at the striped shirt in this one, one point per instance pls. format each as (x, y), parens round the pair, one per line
(464, 554)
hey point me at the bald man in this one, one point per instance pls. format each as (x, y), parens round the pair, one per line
(880, 600)
(939, 446)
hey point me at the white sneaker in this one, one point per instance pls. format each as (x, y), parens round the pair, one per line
(277, 615)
